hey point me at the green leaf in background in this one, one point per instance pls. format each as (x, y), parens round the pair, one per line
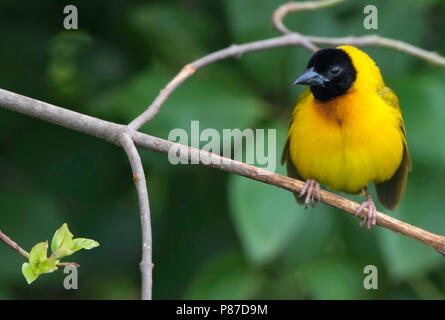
(266, 217)
(333, 279)
(250, 20)
(201, 98)
(392, 15)
(311, 240)
(64, 71)
(423, 94)
(225, 276)
(158, 23)
(422, 207)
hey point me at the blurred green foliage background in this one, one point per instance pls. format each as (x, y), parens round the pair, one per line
(215, 235)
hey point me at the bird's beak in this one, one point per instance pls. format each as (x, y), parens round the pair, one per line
(311, 78)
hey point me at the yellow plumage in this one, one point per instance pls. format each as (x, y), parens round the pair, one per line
(353, 139)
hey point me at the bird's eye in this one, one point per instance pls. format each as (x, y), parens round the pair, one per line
(335, 70)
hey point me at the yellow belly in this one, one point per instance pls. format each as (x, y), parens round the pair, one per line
(347, 143)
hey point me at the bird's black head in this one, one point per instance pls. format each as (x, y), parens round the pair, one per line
(330, 73)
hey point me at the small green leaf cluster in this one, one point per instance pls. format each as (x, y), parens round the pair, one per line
(62, 245)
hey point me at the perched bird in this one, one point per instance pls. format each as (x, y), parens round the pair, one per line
(346, 131)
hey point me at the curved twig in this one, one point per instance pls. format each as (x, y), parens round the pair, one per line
(283, 10)
(229, 52)
(371, 40)
(146, 264)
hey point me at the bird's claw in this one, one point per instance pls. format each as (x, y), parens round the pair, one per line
(371, 217)
(312, 190)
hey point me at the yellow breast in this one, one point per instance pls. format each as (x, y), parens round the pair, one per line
(347, 142)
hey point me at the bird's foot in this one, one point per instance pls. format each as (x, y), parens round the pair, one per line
(312, 191)
(371, 217)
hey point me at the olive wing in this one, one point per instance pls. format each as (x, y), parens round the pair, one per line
(391, 191)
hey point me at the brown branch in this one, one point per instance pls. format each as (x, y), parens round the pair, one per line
(110, 131)
(206, 158)
(146, 265)
(13, 245)
(68, 264)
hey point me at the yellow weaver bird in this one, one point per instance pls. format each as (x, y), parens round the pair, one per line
(347, 131)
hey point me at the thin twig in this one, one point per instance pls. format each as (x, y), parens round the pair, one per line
(285, 9)
(229, 52)
(377, 41)
(13, 245)
(367, 41)
(146, 264)
(68, 264)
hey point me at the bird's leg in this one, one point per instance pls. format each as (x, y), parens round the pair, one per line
(372, 211)
(312, 190)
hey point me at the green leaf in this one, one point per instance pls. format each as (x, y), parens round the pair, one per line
(64, 245)
(29, 273)
(38, 253)
(225, 276)
(82, 243)
(47, 266)
(62, 238)
(39, 263)
(334, 279)
(61, 253)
